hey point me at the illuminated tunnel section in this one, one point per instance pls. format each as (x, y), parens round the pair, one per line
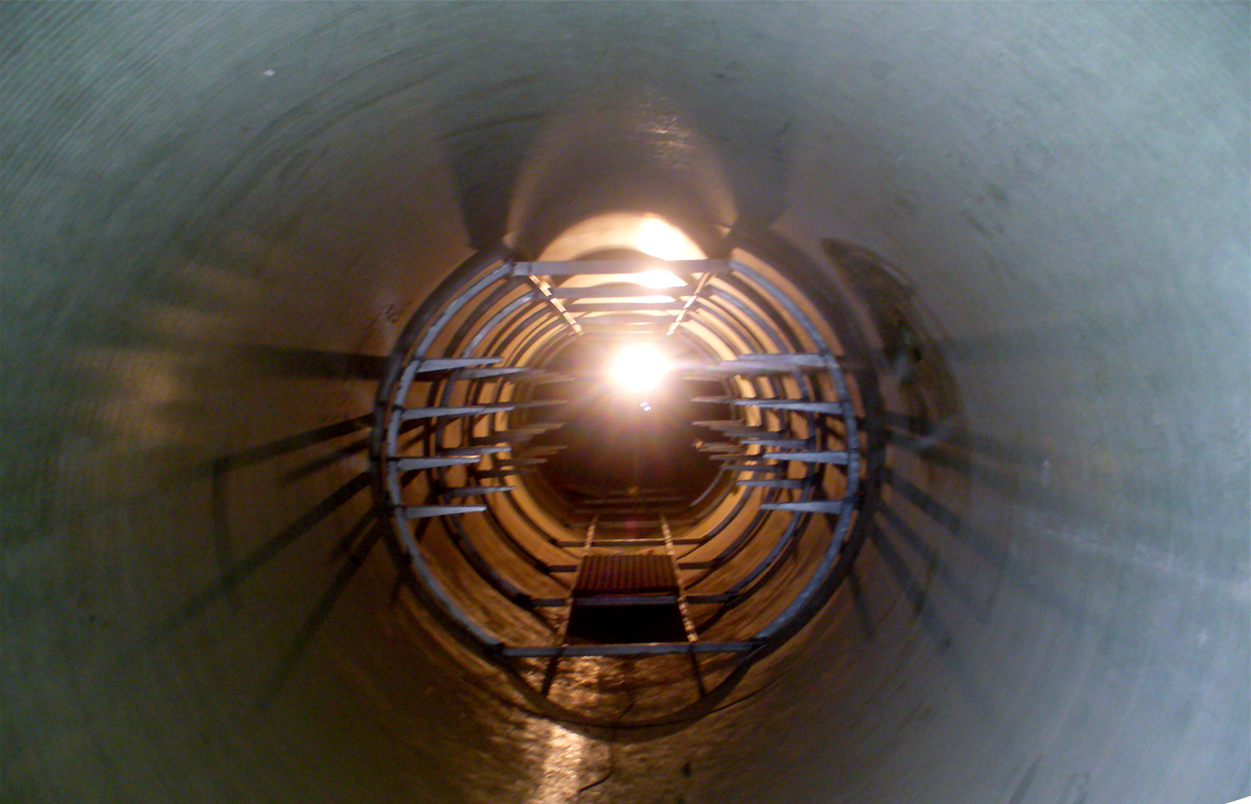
(1015, 238)
(730, 563)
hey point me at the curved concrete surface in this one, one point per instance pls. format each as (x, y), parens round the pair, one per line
(217, 216)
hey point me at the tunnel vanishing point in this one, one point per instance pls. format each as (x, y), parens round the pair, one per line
(321, 482)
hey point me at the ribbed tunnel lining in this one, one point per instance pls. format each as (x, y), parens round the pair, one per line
(217, 218)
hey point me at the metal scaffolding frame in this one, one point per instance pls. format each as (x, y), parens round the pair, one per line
(455, 422)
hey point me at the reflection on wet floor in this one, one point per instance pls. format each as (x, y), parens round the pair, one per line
(560, 755)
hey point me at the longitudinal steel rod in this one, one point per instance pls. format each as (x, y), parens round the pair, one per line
(635, 649)
(619, 267)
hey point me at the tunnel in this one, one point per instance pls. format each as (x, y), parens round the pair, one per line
(317, 488)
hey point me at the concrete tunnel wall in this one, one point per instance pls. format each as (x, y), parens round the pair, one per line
(217, 216)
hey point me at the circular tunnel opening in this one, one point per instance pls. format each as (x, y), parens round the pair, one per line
(562, 523)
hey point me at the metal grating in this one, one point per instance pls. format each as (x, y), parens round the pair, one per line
(628, 574)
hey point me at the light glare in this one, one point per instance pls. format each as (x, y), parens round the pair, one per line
(660, 239)
(638, 368)
(658, 279)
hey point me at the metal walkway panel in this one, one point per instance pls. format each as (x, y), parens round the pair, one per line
(626, 574)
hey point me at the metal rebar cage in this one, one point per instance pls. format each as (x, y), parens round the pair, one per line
(466, 415)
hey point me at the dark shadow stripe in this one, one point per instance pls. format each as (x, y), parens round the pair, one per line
(326, 461)
(273, 449)
(239, 572)
(992, 551)
(325, 604)
(921, 434)
(316, 363)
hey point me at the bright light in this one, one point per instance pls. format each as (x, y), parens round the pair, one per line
(624, 301)
(658, 279)
(660, 239)
(650, 234)
(638, 368)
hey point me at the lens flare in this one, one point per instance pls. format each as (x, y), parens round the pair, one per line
(638, 368)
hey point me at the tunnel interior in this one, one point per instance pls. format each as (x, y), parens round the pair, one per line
(655, 541)
(318, 485)
(609, 420)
